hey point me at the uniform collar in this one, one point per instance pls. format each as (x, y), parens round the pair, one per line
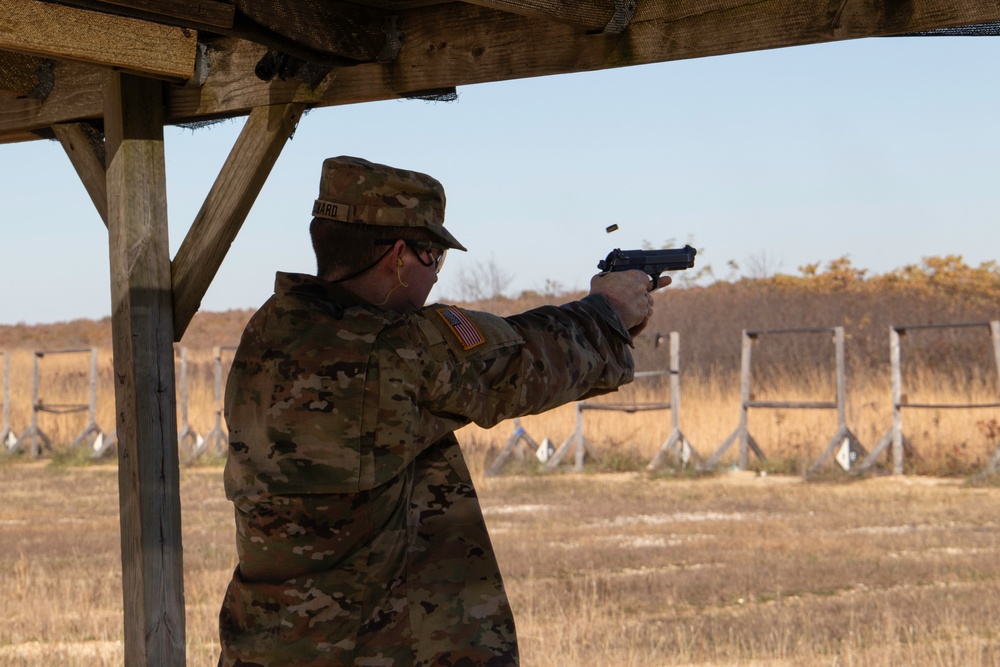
(307, 285)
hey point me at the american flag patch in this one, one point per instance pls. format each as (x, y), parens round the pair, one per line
(468, 335)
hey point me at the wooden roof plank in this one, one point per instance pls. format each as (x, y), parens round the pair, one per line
(227, 205)
(127, 44)
(20, 137)
(459, 44)
(77, 94)
(200, 14)
(592, 14)
(331, 27)
(21, 74)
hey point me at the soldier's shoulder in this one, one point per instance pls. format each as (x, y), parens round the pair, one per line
(466, 333)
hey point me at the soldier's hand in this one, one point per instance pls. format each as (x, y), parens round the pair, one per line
(629, 294)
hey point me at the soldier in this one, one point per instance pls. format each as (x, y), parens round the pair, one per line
(359, 533)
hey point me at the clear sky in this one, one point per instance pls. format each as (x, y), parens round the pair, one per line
(885, 150)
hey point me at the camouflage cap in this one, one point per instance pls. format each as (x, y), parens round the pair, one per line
(355, 190)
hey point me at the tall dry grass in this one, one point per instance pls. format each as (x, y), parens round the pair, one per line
(65, 379)
(945, 441)
(618, 568)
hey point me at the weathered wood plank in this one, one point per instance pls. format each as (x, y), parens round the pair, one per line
(78, 94)
(458, 44)
(339, 28)
(24, 75)
(20, 137)
(148, 476)
(592, 14)
(199, 14)
(84, 145)
(227, 205)
(66, 33)
(402, 5)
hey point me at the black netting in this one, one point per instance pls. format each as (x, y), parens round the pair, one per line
(991, 29)
(438, 95)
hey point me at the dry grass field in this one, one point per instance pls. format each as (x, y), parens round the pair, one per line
(603, 569)
(946, 441)
(617, 566)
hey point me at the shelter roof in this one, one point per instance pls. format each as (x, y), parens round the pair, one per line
(221, 58)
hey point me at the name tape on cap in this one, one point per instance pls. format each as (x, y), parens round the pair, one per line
(332, 210)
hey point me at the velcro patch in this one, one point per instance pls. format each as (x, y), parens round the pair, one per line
(468, 333)
(332, 210)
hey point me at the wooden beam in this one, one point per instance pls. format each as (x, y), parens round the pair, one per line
(65, 33)
(20, 137)
(333, 27)
(197, 14)
(25, 76)
(77, 94)
(141, 327)
(458, 44)
(591, 14)
(227, 205)
(402, 5)
(84, 145)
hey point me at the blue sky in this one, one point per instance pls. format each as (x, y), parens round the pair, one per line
(884, 150)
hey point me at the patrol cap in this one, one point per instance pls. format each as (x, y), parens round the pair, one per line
(358, 191)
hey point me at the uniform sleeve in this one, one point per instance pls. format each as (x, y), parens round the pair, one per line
(485, 369)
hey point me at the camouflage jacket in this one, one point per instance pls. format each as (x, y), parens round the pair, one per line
(359, 533)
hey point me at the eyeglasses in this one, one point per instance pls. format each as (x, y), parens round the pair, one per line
(418, 247)
(435, 253)
(433, 259)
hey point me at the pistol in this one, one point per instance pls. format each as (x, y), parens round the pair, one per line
(652, 262)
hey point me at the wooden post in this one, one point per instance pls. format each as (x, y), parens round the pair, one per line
(35, 433)
(92, 396)
(897, 401)
(5, 429)
(675, 383)
(995, 335)
(142, 331)
(579, 451)
(838, 343)
(676, 443)
(744, 459)
(188, 440)
(218, 436)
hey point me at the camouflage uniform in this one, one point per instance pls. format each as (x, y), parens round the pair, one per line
(359, 533)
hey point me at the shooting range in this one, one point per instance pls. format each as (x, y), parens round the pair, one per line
(104, 78)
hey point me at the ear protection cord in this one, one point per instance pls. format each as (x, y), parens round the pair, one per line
(399, 265)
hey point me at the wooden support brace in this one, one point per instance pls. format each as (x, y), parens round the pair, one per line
(84, 145)
(142, 324)
(227, 205)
